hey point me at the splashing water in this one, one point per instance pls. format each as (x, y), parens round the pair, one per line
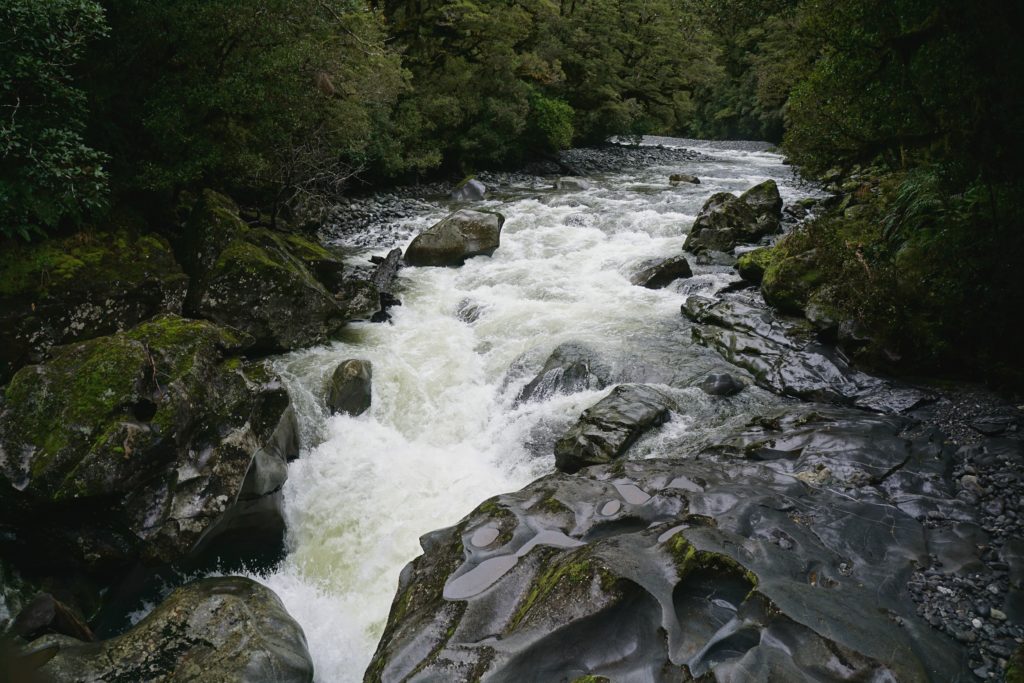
(442, 434)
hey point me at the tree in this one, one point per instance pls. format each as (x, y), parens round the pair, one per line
(48, 174)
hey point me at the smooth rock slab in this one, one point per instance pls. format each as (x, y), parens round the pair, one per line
(608, 428)
(222, 630)
(749, 575)
(462, 235)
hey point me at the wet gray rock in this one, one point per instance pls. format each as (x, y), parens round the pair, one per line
(608, 428)
(349, 389)
(462, 235)
(680, 178)
(223, 630)
(785, 357)
(570, 368)
(661, 274)
(572, 183)
(669, 570)
(721, 384)
(470, 191)
(726, 220)
(46, 614)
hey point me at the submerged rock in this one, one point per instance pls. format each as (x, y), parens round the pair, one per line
(570, 368)
(661, 274)
(572, 183)
(721, 384)
(608, 428)
(229, 629)
(349, 390)
(669, 570)
(680, 178)
(144, 445)
(470, 191)
(462, 235)
(60, 291)
(726, 220)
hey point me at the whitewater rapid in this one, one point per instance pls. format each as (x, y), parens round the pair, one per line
(442, 434)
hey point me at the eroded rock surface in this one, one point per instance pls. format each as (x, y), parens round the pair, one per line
(782, 554)
(223, 630)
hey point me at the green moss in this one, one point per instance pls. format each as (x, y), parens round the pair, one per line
(753, 264)
(241, 254)
(553, 506)
(578, 568)
(590, 678)
(688, 559)
(307, 250)
(1015, 668)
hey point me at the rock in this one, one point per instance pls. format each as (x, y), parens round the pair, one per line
(790, 279)
(222, 629)
(146, 445)
(727, 220)
(45, 614)
(752, 264)
(715, 258)
(462, 235)
(280, 289)
(721, 384)
(785, 357)
(688, 568)
(680, 178)
(63, 290)
(608, 428)
(570, 183)
(660, 274)
(471, 190)
(570, 368)
(349, 388)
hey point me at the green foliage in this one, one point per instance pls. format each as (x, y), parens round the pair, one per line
(550, 123)
(48, 174)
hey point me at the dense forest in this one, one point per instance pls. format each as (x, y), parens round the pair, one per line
(114, 108)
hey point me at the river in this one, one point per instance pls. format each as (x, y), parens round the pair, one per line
(442, 434)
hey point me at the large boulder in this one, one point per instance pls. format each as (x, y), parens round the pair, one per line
(471, 190)
(752, 264)
(63, 290)
(349, 389)
(791, 277)
(144, 445)
(283, 290)
(570, 368)
(749, 564)
(726, 220)
(608, 428)
(661, 274)
(460, 236)
(223, 630)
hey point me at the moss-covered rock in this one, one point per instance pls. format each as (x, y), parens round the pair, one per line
(224, 629)
(793, 273)
(283, 290)
(726, 220)
(89, 284)
(751, 265)
(460, 236)
(139, 444)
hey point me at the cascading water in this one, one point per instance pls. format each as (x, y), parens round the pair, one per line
(443, 433)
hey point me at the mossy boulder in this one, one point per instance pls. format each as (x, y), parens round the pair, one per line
(90, 284)
(462, 235)
(726, 220)
(793, 274)
(752, 264)
(141, 445)
(281, 289)
(224, 630)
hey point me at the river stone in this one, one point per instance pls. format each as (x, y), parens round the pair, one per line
(608, 428)
(572, 183)
(349, 389)
(222, 630)
(470, 191)
(462, 235)
(64, 290)
(571, 367)
(752, 264)
(661, 274)
(680, 178)
(147, 445)
(726, 220)
(785, 357)
(46, 614)
(721, 384)
(727, 560)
